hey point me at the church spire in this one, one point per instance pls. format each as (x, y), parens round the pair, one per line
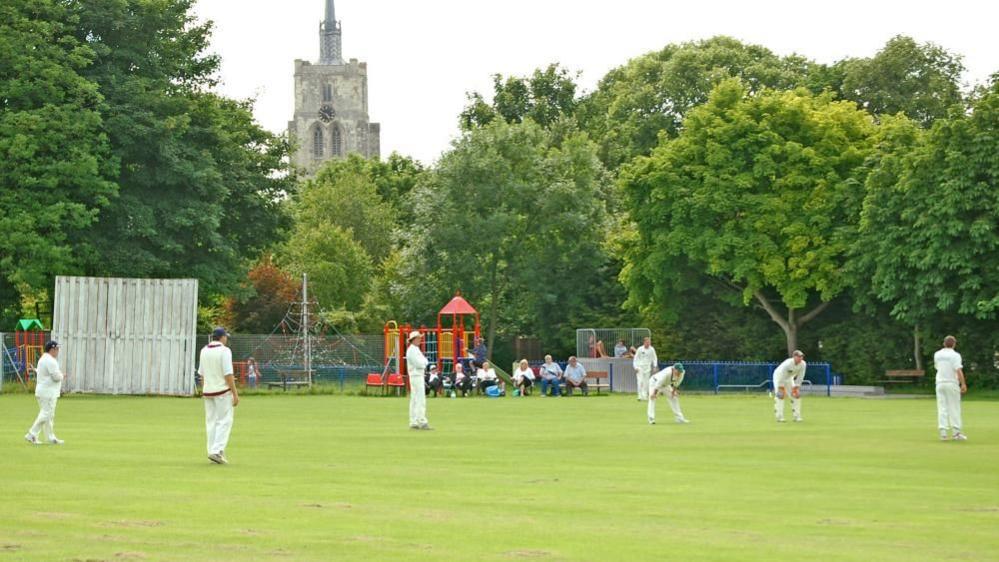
(330, 12)
(330, 40)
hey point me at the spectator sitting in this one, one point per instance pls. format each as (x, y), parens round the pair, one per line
(551, 375)
(575, 377)
(487, 377)
(597, 347)
(621, 350)
(462, 382)
(523, 377)
(434, 382)
(479, 353)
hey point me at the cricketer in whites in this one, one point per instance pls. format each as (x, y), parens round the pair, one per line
(645, 362)
(215, 368)
(950, 386)
(667, 382)
(416, 365)
(48, 387)
(787, 378)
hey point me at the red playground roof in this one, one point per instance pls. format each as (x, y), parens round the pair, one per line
(458, 305)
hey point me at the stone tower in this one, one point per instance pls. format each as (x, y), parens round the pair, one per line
(331, 104)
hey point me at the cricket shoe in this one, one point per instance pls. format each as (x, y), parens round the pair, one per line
(960, 437)
(682, 420)
(414, 426)
(943, 437)
(217, 458)
(56, 441)
(31, 439)
(798, 419)
(652, 421)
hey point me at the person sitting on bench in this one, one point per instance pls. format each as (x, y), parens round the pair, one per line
(487, 377)
(462, 382)
(434, 382)
(523, 377)
(551, 375)
(575, 377)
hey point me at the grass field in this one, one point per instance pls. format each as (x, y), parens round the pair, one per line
(343, 478)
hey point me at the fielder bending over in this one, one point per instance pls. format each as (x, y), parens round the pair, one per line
(787, 378)
(667, 382)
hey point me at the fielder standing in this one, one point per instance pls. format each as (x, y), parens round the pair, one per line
(645, 363)
(667, 382)
(416, 364)
(950, 386)
(48, 386)
(788, 375)
(215, 368)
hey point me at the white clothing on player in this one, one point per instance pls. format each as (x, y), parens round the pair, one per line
(664, 383)
(416, 365)
(214, 365)
(947, 363)
(218, 422)
(787, 379)
(645, 363)
(48, 386)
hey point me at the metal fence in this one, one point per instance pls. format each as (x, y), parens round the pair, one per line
(336, 359)
(600, 342)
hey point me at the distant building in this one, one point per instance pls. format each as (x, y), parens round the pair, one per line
(331, 104)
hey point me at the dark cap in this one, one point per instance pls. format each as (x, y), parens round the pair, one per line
(219, 332)
(50, 345)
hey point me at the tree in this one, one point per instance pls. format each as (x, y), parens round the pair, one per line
(56, 160)
(338, 268)
(920, 80)
(273, 291)
(649, 96)
(344, 193)
(513, 221)
(544, 97)
(929, 241)
(200, 181)
(760, 192)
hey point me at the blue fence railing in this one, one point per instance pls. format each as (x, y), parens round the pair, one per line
(718, 376)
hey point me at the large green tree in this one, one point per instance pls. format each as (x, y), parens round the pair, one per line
(921, 80)
(929, 240)
(760, 192)
(344, 193)
(515, 221)
(56, 162)
(545, 96)
(649, 96)
(200, 181)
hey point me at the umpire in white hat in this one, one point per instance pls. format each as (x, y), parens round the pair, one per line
(416, 365)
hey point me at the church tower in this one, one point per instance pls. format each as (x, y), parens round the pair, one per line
(331, 104)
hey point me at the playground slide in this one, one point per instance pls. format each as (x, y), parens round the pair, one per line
(503, 375)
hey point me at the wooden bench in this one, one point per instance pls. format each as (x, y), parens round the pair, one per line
(901, 376)
(293, 379)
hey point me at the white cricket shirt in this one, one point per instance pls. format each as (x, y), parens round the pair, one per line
(215, 364)
(48, 383)
(947, 362)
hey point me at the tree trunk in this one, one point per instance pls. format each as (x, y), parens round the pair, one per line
(916, 348)
(793, 322)
(493, 300)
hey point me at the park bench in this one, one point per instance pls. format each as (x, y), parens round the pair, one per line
(902, 376)
(292, 378)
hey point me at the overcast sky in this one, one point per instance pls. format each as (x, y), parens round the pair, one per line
(424, 55)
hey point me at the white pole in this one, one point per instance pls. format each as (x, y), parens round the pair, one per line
(305, 327)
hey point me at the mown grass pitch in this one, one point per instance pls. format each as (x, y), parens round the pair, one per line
(328, 477)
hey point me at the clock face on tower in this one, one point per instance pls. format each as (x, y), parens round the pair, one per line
(326, 113)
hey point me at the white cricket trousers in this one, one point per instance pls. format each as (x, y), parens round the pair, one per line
(417, 400)
(783, 387)
(949, 407)
(674, 404)
(46, 417)
(642, 376)
(218, 421)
